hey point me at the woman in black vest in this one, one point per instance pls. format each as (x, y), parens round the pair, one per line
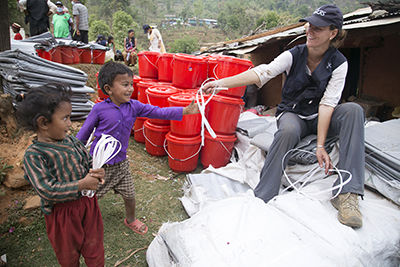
(130, 45)
(316, 74)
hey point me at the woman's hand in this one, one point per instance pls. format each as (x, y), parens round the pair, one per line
(209, 87)
(323, 158)
(92, 179)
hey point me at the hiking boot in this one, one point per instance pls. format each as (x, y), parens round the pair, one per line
(347, 205)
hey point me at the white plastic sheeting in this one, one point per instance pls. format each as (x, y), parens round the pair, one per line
(291, 230)
(22, 71)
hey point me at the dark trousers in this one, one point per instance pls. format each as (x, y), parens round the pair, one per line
(38, 27)
(347, 122)
(83, 37)
(76, 228)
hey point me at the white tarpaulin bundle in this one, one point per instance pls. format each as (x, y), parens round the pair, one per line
(291, 230)
(382, 158)
(22, 71)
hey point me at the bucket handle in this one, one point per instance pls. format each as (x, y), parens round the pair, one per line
(225, 148)
(169, 155)
(172, 63)
(215, 72)
(65, 54)
(148, 99)
(144, 134)
(97, 55)
(150, 61)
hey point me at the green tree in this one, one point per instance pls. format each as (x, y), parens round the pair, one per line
(186, 12)
(98, 27)
(186, 44)
(122, 22)
(271, 19)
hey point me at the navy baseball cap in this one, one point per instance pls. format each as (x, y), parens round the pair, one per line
(326, 15)
(145, 28)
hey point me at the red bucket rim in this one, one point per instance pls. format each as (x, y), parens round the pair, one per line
(190, 58)
(158, 90)
(185, 140)
(221, 137)
(149, 53)
(156, 127)
(228, 99)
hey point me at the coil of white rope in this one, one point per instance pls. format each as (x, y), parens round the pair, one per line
(306, 177)
(202, 108)
(106, 149)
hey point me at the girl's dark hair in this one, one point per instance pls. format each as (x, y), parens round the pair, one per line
(41, 101)
(339, 38)
(129, 31)
(110, 38)
(109, 71)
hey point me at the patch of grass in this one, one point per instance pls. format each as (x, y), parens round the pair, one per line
(157, 202)
(3, 170)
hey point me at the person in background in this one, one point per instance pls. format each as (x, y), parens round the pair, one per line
(37, 14)
(130, 45)
(315, 78)
(115, 116)
(62, 23)
(101, 40)
(156, 42)
(16, 28)
(27, 35)
(81, 19)
(110, 54)
(58, 166)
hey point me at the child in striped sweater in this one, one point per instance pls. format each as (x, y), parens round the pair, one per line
(57, 165)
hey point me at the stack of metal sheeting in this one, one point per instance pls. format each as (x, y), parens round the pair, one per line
(382, 154)
(22, 71)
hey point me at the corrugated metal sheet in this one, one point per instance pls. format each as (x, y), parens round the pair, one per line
(354, 20)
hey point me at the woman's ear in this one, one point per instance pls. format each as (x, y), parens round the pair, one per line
(333, 34)
(107, 88)
(42, 123)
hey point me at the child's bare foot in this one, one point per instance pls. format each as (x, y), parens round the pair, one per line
(137, 226)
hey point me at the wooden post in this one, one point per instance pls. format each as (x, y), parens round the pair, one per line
(4, 26)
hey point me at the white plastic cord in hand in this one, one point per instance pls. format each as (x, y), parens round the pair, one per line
(106, 149)
(306, 177)
(202, 109)
(90, 140)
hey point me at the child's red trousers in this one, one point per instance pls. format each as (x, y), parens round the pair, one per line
(76, 228)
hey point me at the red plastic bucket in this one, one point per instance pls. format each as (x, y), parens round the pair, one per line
(142, 87)
(66, 55)
(101, 94)
(75, 53)
(136, 80)
(55, 54)
(99, 56)
(165, 70)
(158, 96)
(154, 135)
(220, 66)
(98, 100)
(183, 152)
(222, 112)
(190, 125)
(148, 64)
(85, 55)
(189, 71)
(97, 80)
(216, 152)
(138, 129)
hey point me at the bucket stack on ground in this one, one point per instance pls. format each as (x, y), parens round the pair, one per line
(173, 80)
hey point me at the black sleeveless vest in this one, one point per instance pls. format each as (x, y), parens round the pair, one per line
(301, 92)
(38, 10)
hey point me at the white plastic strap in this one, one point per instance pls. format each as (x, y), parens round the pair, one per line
(306, 177)
(106, 149)
(202, 109)
(151, 62)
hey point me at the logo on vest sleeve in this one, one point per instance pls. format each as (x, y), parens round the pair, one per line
(319, 12)
(329, 65)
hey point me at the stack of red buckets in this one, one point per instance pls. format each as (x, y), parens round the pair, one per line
(172, 80)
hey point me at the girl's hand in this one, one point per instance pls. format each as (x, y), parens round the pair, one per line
(99, 174)
(91, 180)
(191, 109)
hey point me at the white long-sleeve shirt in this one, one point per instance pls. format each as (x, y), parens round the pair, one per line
(283, 62)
